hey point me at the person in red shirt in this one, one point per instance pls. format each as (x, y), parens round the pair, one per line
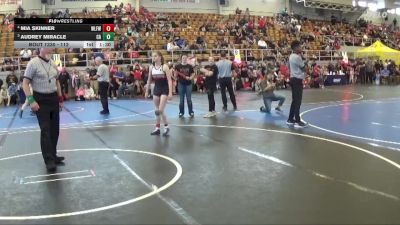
(200, 83)
(284, 70)
(138, 75)
(133, 17)
(317, 78)
(128, 8)
(112, 90)
(262, 25)
(142, 10)
(113, 69)
(250, 25)
(133, 53)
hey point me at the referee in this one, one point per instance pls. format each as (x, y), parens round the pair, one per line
(225, 73)
(46, 100)
(103, 77)
(297, 73)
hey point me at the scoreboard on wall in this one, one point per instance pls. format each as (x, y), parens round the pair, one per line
(64, 33)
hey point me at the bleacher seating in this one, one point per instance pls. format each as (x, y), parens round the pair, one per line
(275, 34)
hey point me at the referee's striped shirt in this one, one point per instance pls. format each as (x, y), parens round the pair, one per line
(43, 75)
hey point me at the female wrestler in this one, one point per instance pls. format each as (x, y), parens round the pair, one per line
(160, 73)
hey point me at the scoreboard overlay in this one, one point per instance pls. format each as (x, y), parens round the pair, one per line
(64, 33)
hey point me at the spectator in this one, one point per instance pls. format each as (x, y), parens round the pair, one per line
(93, 80)
(262, 25)
(64, 79)
(3, 95)
(20, 12)
(247, 12)
(138, 76)
(80, 94)
(25, 55)
(98, 53)
(75, 80)
(126, 86)
(185, 76)
(238, 11)
(262, 44)
(12, 94)
(11, 78)
(109, 9)
(89, 93)
(85, 11)
(112, 90)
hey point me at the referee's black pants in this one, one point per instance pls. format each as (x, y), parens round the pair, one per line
(226, 83)
(297, 96)
(49, 122)
(103, 91)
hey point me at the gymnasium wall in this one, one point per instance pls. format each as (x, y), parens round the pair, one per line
(204, 6)
(32, 5)
(6, 6)
(322, 14)
(256, 7)
(343, 2)
(74, 6)
(376, 17)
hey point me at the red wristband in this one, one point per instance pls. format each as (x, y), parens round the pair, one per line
(60, 99)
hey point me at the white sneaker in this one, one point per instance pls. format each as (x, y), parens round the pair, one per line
(213, 114)
(166, 131)
(301, 124)
(207, 115)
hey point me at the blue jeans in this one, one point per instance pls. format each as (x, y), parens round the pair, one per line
(269, 98)
(185, 90)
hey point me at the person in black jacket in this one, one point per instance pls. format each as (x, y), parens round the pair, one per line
(211, 73)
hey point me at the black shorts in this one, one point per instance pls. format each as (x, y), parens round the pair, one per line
(160, 90)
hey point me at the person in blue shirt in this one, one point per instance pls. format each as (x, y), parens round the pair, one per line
(385, 73)
(119, 74)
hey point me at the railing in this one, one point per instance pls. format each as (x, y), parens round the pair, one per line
(355, 41)
(87, 59)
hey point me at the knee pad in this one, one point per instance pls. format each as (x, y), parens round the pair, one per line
(157, 112)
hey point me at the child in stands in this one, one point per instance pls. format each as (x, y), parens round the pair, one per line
(80, 94)
(12, 94)
(138, 76)
(89, 93)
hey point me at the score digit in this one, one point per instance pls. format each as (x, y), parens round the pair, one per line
(108, 36)
(108, 27)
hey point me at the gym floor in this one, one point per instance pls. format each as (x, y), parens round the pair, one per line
(243, 167)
